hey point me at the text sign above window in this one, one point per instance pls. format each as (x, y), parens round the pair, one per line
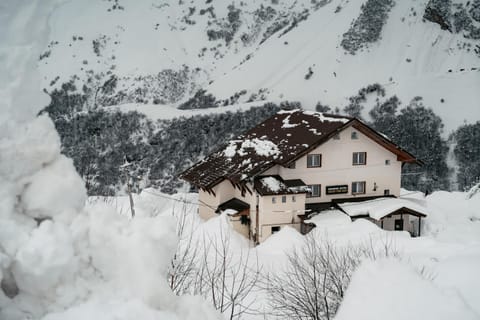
(336, 189)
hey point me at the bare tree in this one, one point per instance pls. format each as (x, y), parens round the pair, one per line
(184, 264)
(212, 268)
(315, 279)
(228, 279)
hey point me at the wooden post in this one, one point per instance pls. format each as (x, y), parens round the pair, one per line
(132, 206)
(129, 179)
(419, 226)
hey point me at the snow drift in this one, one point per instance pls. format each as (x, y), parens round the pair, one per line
(59, 260)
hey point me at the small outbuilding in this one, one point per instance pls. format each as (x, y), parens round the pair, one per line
(395, 214)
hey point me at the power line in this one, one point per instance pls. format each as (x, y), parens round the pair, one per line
(200, 203)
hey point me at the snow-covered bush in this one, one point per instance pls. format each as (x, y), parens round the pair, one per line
(467, 154)
(99, 142)
(475, 10)
(417, 129)
(226, 27)
(457, 18)
(367, 28)
(439, 11)
(355, 107)
(200, 100)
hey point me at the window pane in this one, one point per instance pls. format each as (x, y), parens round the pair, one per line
(274, 200)
(358, 187)
(284, 199)
(314, 160)
(314, 191)
(359, 158)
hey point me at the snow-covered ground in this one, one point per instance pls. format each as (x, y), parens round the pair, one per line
(63, 259)
(448, 253)
(58, 259)
(132, 39)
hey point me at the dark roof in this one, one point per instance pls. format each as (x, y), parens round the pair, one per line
(272, 185)
(294, 183)
(281, 139)
(233, 203)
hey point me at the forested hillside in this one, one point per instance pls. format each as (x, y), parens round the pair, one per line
(117, 72)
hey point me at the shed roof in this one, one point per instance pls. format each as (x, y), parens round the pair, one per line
(382, 207)
(274, 184)
(235, 204)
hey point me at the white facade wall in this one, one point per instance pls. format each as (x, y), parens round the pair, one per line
(224, 191)
(279, 214)
(337, 168)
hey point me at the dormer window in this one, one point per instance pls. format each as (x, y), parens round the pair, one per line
(354, 135)
(314, 160)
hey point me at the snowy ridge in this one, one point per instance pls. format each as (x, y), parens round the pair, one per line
(252, 51)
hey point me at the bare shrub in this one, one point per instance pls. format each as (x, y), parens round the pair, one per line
(313, 283)
(211, 269)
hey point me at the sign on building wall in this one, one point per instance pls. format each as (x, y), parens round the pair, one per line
(337, 189)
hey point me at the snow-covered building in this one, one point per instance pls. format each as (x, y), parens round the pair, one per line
(299, 163)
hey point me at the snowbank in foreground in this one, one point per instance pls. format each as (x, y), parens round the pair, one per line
(59, 260)
(389, 289)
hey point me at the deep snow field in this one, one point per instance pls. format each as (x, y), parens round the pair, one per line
(448, 253)
(63, 256)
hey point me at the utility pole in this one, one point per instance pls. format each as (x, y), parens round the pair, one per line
(124, 167)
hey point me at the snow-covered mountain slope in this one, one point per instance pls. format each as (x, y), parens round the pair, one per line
(162, 52)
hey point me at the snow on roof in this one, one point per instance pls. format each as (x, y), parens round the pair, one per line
(379, 208)
(323, 117)
(230, 212)
(280, 139)
(261, 147)
(329, 217)
(273, 184)
(287, 124)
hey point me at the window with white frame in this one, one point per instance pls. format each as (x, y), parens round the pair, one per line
(354, 135)
(358, 187)
(314, 190)
(284, 199)
(274, 200)
(387, 162)
(294, 199)
(314, 160)
(359, 158)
